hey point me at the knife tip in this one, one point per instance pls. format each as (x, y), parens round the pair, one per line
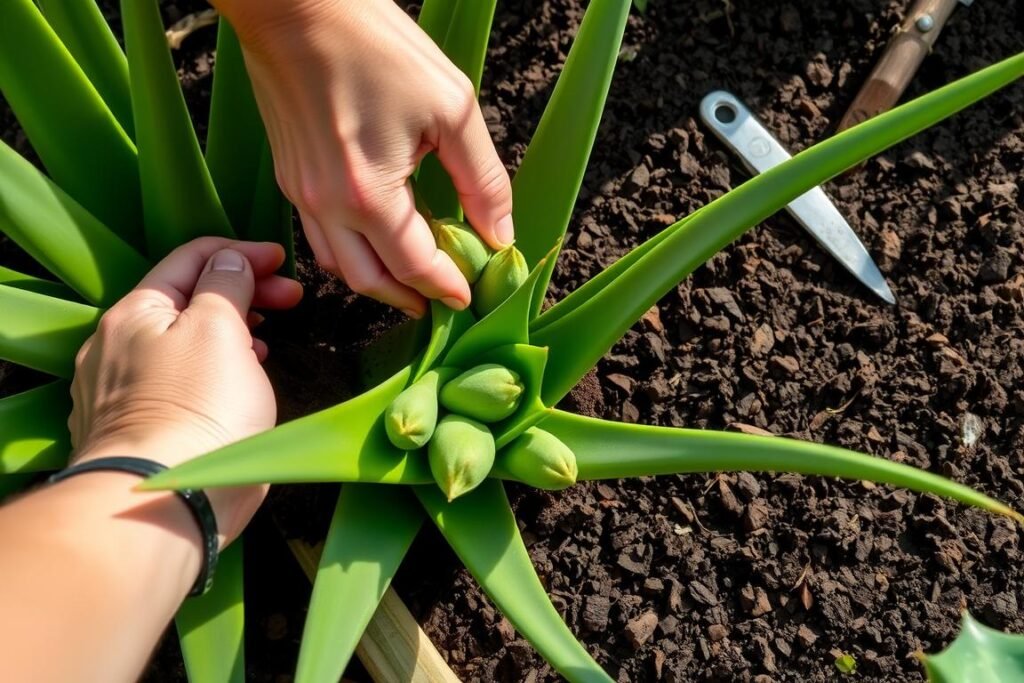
(883, 291)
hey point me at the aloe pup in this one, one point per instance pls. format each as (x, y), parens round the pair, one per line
(461, 455)
(502, 275)
(463, 245)
(540, 459)
(487, 393)
(411, 418)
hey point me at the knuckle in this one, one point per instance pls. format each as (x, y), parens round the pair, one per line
(109, 323)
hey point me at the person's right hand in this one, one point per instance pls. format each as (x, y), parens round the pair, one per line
(354, 94)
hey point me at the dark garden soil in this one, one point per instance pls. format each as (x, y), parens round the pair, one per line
(738, 576)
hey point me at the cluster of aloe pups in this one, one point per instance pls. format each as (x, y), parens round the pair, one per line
(126, 181)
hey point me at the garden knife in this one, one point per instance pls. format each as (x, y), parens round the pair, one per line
(743, 134)
(903, 55)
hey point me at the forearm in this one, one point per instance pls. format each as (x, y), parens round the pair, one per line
(91, 573)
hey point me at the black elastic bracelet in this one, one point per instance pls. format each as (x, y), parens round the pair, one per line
(196, 500)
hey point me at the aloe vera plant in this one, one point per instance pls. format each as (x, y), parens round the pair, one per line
(82, 100)
(390, 488)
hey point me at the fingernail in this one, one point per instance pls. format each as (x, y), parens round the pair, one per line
(229, 261)
(453, 303)
(505, 231)
(415, 315)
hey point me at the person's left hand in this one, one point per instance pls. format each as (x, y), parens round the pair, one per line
(173, 372)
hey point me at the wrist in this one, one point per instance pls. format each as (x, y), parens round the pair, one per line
(116, 528)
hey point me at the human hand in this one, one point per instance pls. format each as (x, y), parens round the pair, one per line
(173, 372)
(354, 94)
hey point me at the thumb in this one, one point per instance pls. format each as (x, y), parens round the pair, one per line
(466, 151)
(225, 287)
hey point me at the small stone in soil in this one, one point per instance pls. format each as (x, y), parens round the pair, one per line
(717, 632)
(595, 612)
(806, 636)
(640, 630)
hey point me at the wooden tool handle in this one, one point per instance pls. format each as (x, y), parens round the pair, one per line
(903, 55)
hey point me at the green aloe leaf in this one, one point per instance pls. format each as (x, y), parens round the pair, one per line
(62, 236)
(235, 137)
(41, 332)
(435, 17)
(548, 182)
(613, 450)
(87, 36)
(271, 218)
(344, 443)
(13, 278)
(178, 197)
(978, 655)
(370, 533)
(67, 122)
(591, 287)
(211, 627)
(34, 429)
(603, 319)
(446, 326)
(482, 530)
(465, 44)
(506, 324)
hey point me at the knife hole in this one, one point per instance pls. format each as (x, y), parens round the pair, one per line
(725, 113)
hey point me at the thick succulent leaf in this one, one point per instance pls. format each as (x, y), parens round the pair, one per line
(178, 198)
(545, 188)
(87, 36)
(579, 338)
(465, 44)
(12, 483)
(528, 362)
(591, 287)
(506, 324)
(62, 236)
(271, 218)
(613, 450)
(344, 443)
(211, 627)
(34, 429)
(372, 529)
(435, 17)
(482, 530)
(41, 332)
(67, 122)
(13, 278)
(978, 655)
(235, 137)
(446, 326)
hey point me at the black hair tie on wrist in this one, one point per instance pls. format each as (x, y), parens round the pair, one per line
(196, 500)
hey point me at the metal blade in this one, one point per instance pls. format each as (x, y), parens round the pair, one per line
(743, 134)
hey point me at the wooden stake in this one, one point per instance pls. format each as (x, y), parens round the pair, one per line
(394, 648)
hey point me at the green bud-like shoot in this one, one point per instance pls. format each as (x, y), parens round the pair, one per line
(502, 275)
(461, 455)
(463, 245)
(411, 418)
(487, 393)
(540, 459)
